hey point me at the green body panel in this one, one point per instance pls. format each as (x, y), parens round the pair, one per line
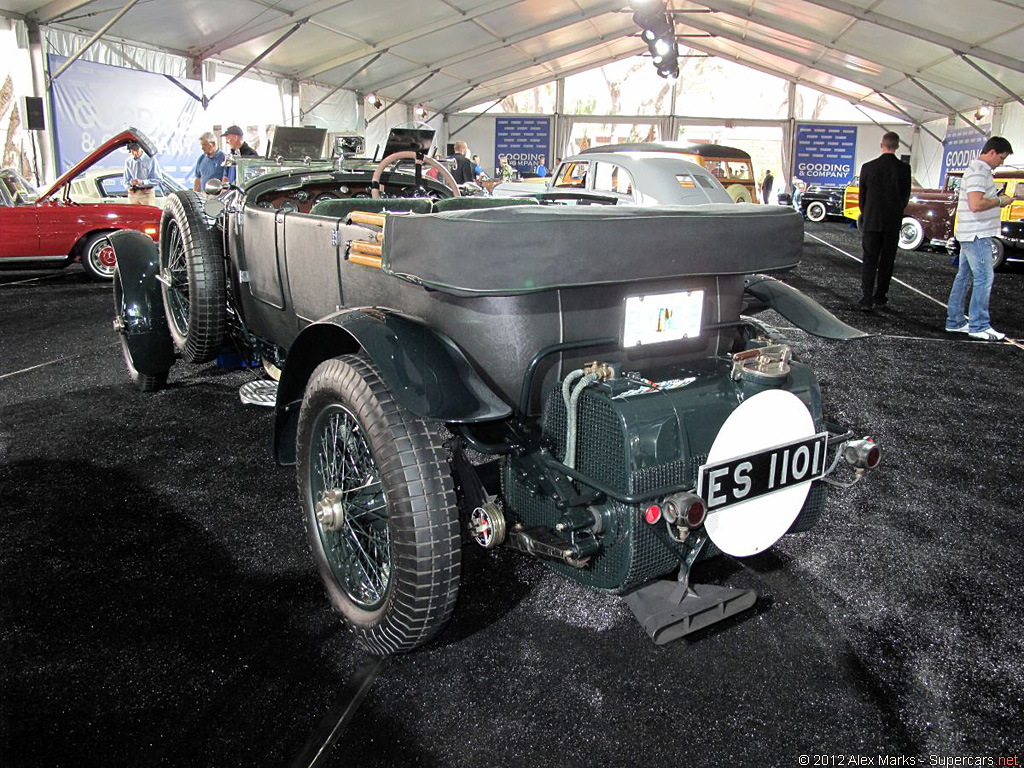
(424, 369)
(141, 305)
(641, 443)
(801, 310)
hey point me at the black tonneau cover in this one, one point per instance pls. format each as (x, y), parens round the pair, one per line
(505, 251)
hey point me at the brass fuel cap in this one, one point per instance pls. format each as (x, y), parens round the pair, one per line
(763, 365)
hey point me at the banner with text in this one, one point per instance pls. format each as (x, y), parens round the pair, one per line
(92, 102)
(523, 140)
(825, 154)
(960, 147)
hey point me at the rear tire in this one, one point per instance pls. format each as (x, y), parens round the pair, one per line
(98, 258)
(911, 234)
(380, 508)
(816, 211)
(191, 260)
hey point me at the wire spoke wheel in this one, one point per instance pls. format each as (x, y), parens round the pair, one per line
(192, 277)
(352, 509)
(176, 273)
(379, 505)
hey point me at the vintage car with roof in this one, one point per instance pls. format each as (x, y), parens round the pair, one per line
(729, 165)
(52, 229)
(930, 216)
(583, 384)
(629, 174)
(819, 201)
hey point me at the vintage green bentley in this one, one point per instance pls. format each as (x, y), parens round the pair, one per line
(584, 384)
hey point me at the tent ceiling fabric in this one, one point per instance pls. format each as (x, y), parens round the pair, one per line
(450, 54)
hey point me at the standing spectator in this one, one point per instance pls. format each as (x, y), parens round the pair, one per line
(505, 171)
(766, 186)
(141, 176)
(463, 165)
(884, 193)
(798, 192)
(210, 163)
(236, 146)
(542, 170)
(977, 222)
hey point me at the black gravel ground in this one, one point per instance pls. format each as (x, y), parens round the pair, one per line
(159, 605)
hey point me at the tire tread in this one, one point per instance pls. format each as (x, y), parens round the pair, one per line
(425, 539)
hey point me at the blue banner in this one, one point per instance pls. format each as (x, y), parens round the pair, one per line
(92, 102)
(825, 154)
(961, 146)
(523, 140)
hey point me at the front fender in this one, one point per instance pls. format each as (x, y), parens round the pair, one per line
(139, 304)
(424, 369)
(799, 308)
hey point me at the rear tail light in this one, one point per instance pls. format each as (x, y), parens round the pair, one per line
(862, 454)
(653, 514)
(685, 509)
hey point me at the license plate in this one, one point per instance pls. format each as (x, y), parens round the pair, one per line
(662, 317)
(726, 483)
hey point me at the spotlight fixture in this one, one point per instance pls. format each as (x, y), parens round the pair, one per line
(374, 100)
(658, 31)
(419, 111)
(981, 112)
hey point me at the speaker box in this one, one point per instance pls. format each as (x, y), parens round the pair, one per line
(32, 113)
(451, 150)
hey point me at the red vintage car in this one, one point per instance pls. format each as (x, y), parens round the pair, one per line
(53, 230)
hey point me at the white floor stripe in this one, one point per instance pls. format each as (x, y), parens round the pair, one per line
(50, 362)
(951, 337)
(861, 261)
(31, 280)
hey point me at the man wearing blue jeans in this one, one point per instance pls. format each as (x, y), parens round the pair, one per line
(977, 223)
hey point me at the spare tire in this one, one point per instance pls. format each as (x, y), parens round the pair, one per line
(192, 278)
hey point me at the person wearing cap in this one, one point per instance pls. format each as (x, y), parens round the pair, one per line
(237, 147)
(141, 176)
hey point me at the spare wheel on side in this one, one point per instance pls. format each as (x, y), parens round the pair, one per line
(192, 278)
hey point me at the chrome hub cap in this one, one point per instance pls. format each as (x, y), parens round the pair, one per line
(329, 510)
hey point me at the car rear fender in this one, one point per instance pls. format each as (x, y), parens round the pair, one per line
(424, 369)
(799, 308)
(140, 316)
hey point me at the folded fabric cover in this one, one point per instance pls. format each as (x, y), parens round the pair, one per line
(524, 249)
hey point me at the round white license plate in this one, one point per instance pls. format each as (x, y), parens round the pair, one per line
(767, 447)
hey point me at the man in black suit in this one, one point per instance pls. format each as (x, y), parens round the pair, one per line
(884, 193)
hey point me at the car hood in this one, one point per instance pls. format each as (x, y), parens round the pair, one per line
(120, 140)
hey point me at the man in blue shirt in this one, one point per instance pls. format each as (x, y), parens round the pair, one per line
(209, 165)
(542, 170)
(141, 175)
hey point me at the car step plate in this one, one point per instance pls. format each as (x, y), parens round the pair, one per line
(668, 610)
(263, 392)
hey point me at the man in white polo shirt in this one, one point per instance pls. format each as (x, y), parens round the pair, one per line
(977, 222)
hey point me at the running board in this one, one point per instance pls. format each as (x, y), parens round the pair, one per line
(262, 392)
(668, 610)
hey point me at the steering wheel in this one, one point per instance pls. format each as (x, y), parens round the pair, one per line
(394, 157)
